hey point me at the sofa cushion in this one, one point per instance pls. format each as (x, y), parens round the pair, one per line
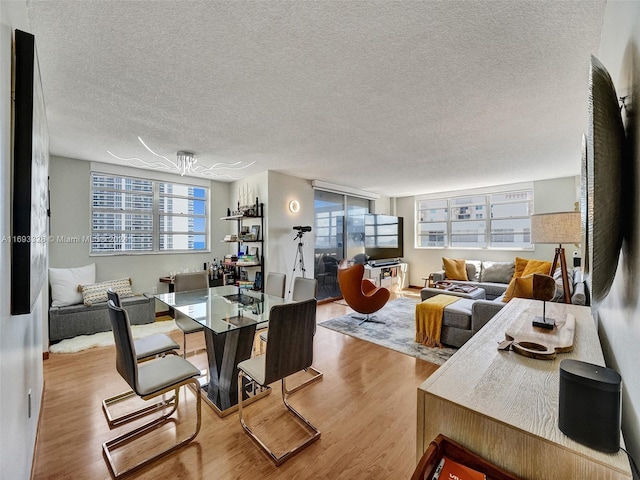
(492, 290)
(497, 272)
(458, 314)
(65, 281)
(97, 292)
(73, 320)
(474, 269)
(455, 268)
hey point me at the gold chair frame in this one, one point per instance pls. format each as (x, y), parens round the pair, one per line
(277, 459)
(109, 446)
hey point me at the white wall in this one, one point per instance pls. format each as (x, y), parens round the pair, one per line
(20, 336)
(554, 195)
(283, 245)
(70, 191)
(619, 315)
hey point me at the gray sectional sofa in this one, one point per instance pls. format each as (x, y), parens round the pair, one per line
(462, 319)
(73, 320)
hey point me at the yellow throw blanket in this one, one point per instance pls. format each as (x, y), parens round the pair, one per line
(429, 319)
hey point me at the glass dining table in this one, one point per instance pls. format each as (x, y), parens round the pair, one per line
(230, 317)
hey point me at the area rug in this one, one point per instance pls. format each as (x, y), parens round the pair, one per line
(103, 339)
(397, 333)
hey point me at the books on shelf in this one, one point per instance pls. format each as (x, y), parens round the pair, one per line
(245, 284)
(450, 469)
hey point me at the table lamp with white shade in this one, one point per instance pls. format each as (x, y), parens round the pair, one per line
(558, 227)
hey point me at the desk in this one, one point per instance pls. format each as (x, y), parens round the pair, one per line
(230, 317)
(504, 407)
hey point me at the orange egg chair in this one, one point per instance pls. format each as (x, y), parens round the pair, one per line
(360, 293)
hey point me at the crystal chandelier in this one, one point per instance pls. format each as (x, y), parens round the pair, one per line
(185, 163)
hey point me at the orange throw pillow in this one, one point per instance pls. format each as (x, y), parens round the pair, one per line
(519, 287)
(536, 266)
(521, 264)
(455, 268)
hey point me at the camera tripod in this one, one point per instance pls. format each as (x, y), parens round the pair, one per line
(298, 262)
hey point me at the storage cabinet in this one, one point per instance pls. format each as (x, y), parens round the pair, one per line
(393, 277)
(248, 238)
(504, 406)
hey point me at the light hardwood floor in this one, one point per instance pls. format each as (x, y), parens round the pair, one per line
(365, 408)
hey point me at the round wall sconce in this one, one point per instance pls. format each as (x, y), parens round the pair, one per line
(294, 206)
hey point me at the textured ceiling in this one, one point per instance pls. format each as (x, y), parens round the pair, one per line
(394, 97)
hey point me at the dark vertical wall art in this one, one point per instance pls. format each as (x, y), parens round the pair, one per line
(603, 176)
(30, 169)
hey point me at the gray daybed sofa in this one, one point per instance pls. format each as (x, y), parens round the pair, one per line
(73, 320)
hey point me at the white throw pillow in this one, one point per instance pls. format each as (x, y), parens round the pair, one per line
(65, 281)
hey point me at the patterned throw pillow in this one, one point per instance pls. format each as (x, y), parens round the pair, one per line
(97, 292)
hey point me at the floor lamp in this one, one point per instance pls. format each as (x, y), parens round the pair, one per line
(560, 227)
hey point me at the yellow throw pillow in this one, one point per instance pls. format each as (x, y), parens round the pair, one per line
(519, 287)
(455, 268)
(521, 264)
(537, 266)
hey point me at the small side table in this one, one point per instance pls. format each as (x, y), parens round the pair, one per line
(428, 281)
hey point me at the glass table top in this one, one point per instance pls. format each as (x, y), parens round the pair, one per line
(223, 308)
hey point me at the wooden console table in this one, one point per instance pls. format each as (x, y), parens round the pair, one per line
(504, 407)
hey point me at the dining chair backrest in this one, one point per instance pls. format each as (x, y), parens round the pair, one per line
(304, 289)
(190, 281)
(114, 297)
(275, 284)
(126, 362)
(290, 345)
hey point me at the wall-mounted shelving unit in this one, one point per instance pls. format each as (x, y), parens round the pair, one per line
(249, 240)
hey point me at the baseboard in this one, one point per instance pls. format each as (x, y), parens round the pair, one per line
(45, 356)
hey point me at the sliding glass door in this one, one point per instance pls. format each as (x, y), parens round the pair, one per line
(337, 236)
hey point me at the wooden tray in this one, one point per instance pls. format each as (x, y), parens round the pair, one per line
(540, 343)
(442, 446)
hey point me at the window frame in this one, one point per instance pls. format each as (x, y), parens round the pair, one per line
(451, 201)
(156, 213)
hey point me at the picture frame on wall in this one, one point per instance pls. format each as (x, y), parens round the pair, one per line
(29, 232)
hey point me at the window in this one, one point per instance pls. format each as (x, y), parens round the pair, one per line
(494, 220)
(136, 215)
